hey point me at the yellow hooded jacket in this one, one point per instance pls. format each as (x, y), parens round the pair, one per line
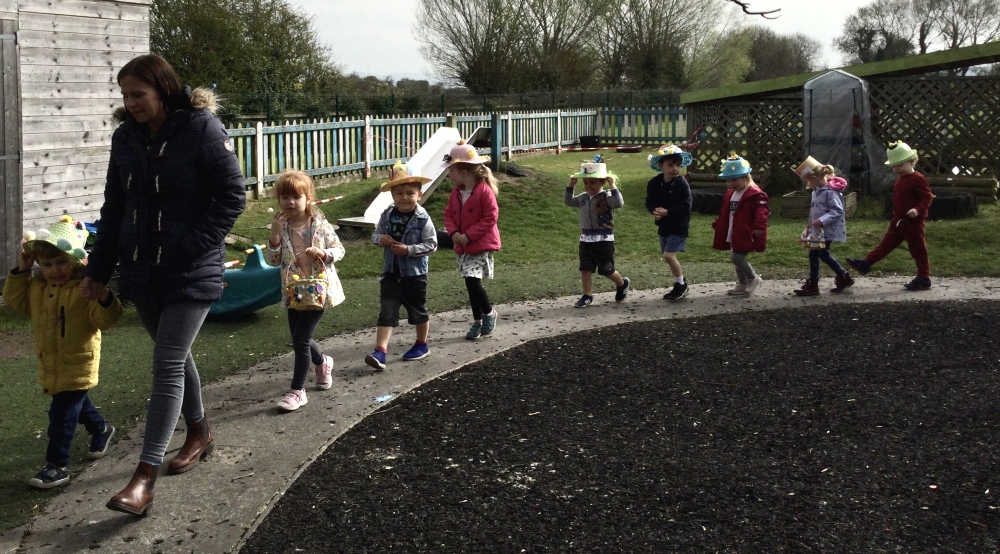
(67, 329)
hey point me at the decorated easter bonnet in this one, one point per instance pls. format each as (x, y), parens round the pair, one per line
(669, 150)
(807, 167)
(734, 167)
(899, 152)
(65, 234)
(593, 169)
(465, 154)
(402, 175)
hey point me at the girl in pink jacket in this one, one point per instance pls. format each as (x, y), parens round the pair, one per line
(471, 221)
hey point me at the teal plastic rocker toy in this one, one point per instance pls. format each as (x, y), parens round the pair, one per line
(255, 286)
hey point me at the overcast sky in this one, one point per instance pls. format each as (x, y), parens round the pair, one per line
(376, 37)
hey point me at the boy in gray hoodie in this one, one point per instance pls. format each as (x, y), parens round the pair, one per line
(597, 227)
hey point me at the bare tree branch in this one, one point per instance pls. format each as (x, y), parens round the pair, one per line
(770, 14)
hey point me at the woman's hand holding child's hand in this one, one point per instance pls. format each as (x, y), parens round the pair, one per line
(912, 212)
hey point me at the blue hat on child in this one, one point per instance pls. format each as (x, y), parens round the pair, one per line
(734, 167)
(669, 150)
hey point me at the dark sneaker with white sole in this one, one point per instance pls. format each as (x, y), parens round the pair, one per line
(584, 301)
(622, 291)
(679, 291)
(50, 477)
(99, 442)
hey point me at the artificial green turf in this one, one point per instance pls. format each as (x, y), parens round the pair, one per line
(538, 260)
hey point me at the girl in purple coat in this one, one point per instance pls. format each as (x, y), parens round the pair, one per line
(826, 212)
(471, 221)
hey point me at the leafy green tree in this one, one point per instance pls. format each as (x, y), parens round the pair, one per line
(243, 46)
(775, 55)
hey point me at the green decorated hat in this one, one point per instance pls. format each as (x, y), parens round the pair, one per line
(734, 167)
(669, 150)
(899, 152)
(66, 235)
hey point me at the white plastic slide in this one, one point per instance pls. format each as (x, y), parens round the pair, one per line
(427, 162)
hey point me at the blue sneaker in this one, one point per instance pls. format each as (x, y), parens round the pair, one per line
(861, 265)
(49, 477)
(490, 322)
(99, 442)
(376, 359)
(584, 301)
(416, 352)
(475, 331)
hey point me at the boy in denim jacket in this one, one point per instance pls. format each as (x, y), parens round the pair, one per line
(407, 235)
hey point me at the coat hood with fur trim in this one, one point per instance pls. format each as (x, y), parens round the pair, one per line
(199, 98)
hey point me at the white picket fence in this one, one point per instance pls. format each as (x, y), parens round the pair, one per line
(358, 146)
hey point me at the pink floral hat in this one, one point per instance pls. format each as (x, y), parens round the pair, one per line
(465, 154)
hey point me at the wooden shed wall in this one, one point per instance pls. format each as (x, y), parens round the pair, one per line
(71, 51)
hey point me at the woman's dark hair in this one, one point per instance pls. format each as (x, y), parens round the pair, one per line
(159, 74)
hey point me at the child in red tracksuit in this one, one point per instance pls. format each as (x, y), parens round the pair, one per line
(911, 198)
(741, 226)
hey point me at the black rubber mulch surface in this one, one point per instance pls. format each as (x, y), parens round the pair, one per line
(852, 428)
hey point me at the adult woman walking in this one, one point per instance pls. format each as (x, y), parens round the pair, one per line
(174, 190)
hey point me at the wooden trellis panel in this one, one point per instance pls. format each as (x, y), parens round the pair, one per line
(765, 131)
(951, 121)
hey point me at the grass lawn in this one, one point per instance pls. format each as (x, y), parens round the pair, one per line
(538, 260)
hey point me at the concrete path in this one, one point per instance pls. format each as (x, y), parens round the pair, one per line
(259, 452)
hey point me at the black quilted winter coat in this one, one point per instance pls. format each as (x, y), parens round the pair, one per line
(169, 203)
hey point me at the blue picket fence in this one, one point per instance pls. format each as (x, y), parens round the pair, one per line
(326, 148)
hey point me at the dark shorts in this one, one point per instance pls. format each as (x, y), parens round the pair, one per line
(598, 256)
(408, 292)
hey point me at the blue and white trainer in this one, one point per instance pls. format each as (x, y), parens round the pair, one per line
(376, 359)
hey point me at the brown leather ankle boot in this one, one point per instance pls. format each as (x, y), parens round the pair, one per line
(809, 288)
(197, 444)
(137, 497)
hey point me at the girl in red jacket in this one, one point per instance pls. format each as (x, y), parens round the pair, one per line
(742, 223)
(471, 221)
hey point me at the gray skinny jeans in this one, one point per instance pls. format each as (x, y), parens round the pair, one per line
(176, 385)
(744, 271)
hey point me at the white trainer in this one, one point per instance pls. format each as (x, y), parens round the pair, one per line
(752, 285)
(293, 400)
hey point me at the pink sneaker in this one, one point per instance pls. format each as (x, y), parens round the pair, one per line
(293, 400)
(323, 378)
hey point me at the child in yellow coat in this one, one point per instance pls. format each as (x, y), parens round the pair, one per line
(67, 329)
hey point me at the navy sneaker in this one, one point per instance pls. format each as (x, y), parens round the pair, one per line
(475, 331)
(99, 442)
(416, 352)
(622, 291)
(376, 359)
(49, 477)
(861, 265)
(679, 291)
(584, 301)
(489, 322)
(918, 283)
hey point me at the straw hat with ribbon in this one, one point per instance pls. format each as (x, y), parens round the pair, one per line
(402, 175)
